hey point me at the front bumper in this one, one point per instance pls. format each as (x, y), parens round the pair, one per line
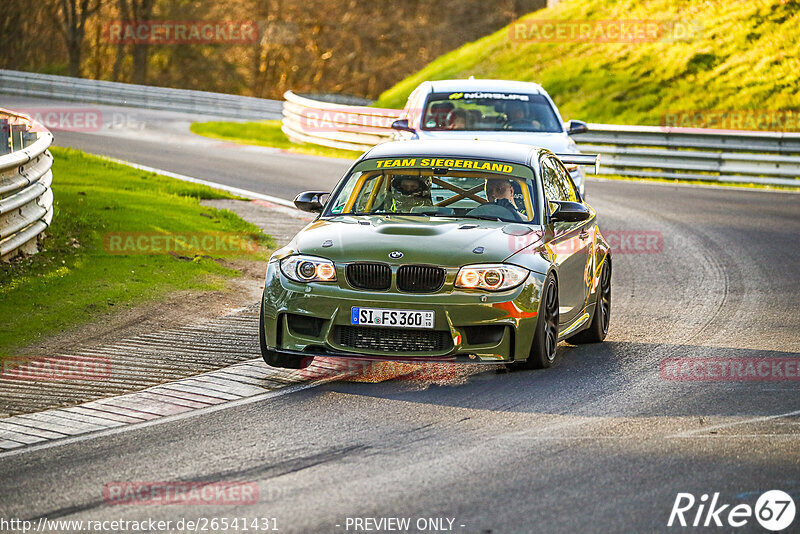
(469, 326)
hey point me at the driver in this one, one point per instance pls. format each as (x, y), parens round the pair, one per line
(515, 114)
(515, 111)
(501, 192)
(409, 191)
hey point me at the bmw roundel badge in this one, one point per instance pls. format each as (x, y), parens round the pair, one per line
(395, 254)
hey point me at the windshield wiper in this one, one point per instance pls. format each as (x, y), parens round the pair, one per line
(483, 218)
(479, 217)
(391, 213)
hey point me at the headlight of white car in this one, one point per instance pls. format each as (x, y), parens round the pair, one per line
(491, 276)
(308, 269)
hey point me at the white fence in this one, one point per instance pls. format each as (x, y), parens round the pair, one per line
(142, 96)
(26, 199)
(636, 151)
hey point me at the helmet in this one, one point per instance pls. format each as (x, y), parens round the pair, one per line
(421, 188)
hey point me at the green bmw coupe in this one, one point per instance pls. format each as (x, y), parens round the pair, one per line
(461, 251)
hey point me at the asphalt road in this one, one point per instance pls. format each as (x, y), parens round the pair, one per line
(599, 443)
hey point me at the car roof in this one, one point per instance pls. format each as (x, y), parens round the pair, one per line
(507, 86)
(488, 150)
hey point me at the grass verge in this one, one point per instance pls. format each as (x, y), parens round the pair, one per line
(265, 133)
(79, 277)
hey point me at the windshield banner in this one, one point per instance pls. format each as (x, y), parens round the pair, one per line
(499, 167)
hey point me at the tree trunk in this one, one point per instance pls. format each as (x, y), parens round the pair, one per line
(74, 59)
(124, 15)
(71, 16)
(140, 63)
(142, 10)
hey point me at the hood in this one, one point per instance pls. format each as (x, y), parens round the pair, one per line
(448, 242)
(557, 142)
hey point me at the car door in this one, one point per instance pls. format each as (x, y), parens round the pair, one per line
(570, 244)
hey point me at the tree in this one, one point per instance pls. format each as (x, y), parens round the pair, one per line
(134, 11)
(71, 16)
(359, 47)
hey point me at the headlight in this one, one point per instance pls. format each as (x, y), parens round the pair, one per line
(491, 277)
(308, 269)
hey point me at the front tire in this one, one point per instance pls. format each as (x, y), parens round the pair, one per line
(598, 329)
(274, 358)
(545, 340)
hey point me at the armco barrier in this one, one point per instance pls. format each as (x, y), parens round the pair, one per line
(335, 125)
(638, 151)
(141, 96)
(26, 199)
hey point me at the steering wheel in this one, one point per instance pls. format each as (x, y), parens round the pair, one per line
(491, 209)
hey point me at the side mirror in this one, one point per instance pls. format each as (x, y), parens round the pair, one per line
(576, 127)
(310, 201)
(569, 212)
(402, 125)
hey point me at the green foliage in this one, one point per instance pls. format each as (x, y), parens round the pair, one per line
(75, 279)
(743, 55)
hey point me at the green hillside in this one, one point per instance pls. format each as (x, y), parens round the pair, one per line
(743, 55)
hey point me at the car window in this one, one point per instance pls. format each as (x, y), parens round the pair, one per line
(337, 205)
(490, 111)
(371, 193)
(556, 182)
(550, 184)
(457, 193)
(567, 187)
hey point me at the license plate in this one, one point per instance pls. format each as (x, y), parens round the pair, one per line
(393, 318)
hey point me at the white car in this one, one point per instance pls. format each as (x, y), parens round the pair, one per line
(491, 110)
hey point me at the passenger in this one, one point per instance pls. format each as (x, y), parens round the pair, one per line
(457, 119)
(437, 116)
(409, 191)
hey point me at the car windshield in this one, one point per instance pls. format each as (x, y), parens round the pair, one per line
(437, 192)
(490, 112)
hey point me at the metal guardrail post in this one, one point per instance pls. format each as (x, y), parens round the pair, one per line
(5, 137)
(16, 136)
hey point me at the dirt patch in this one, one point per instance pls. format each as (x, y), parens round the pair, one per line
(177, 309)
(186, 307)
(280, 222)
(180, 335)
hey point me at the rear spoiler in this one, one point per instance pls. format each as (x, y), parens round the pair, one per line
(580, 159)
